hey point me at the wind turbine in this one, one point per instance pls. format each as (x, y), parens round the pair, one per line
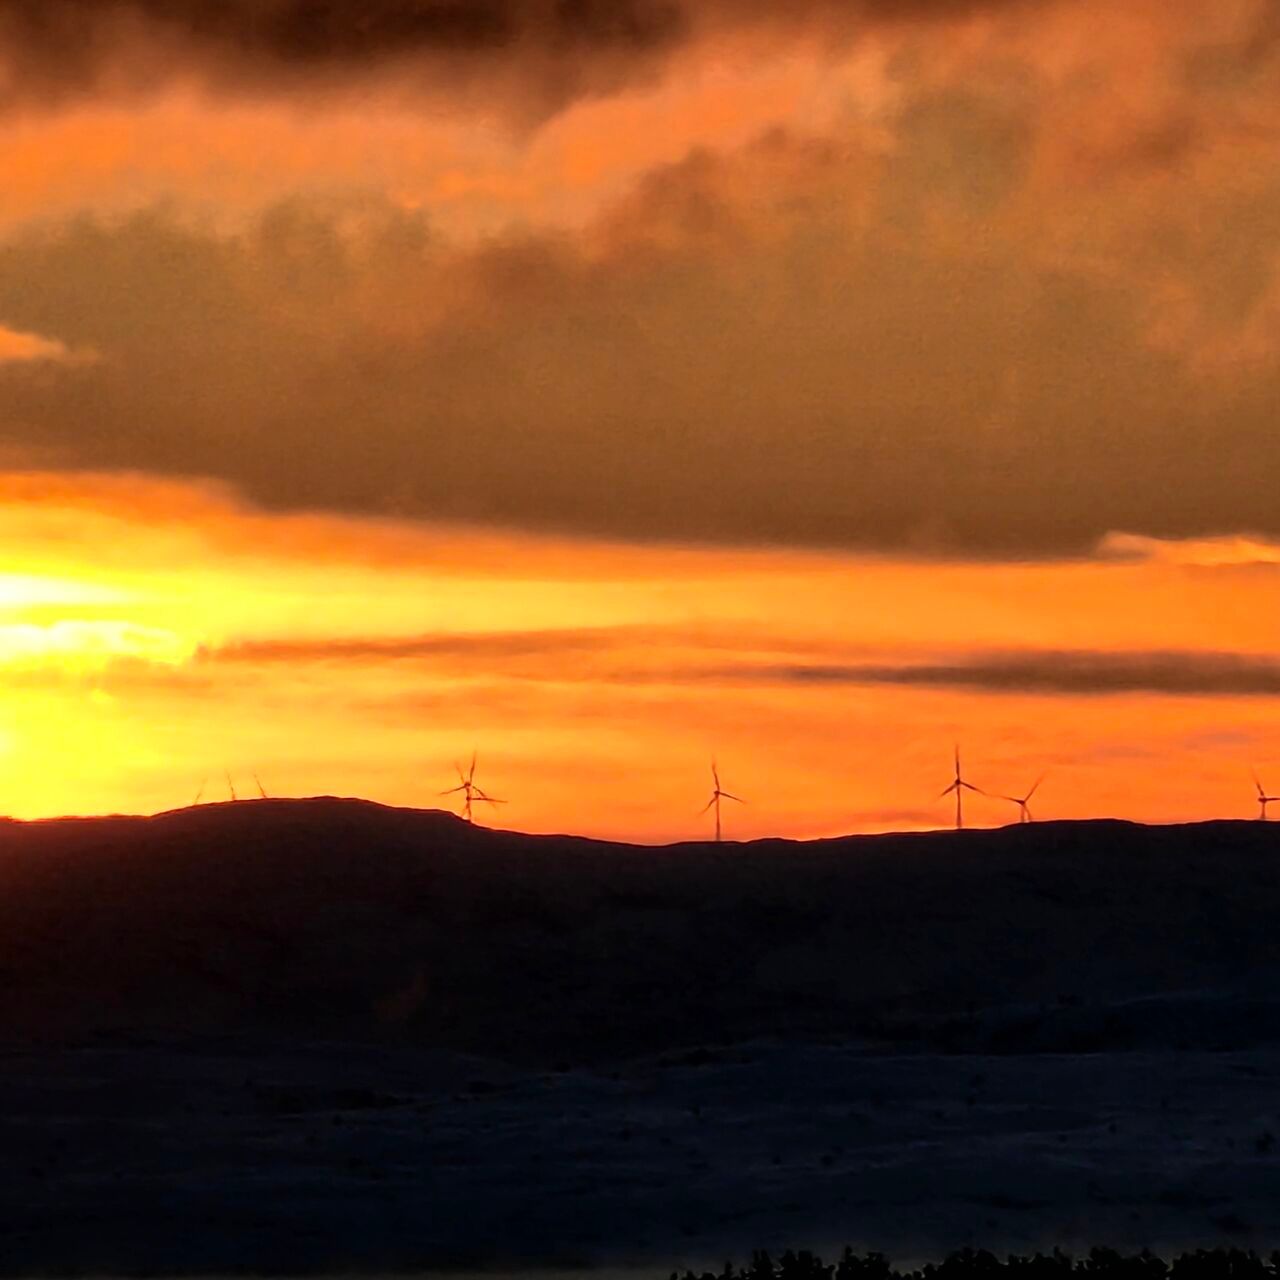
(1263, 799)
(199, 792)
(718, 794)
(959, 785)
(231, 786)
(1024, 812)
(262, 791)
(470, 792)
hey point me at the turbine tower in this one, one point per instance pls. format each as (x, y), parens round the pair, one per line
(1263, 799)
(470, 792)
(959, 785)
(1024, 812)
(718, 794)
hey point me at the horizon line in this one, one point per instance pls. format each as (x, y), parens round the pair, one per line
(278, 801)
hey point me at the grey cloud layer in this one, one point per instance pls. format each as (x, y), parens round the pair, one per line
(821, 384)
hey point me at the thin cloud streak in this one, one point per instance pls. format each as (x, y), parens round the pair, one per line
(1239, 551)
(29, 348)
(1052, 672)
(1067, 673)
(492, 644)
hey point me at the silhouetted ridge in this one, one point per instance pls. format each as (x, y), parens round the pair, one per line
(345, 918)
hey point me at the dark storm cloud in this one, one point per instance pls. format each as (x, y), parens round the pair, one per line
(1072, 673)
(544, 50)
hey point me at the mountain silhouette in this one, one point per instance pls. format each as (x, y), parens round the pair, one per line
(347, 919)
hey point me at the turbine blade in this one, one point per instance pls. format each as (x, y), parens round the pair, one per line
(708, 805)
(471, 775)
(1257, 784)
(968, 786)
(715, 775)
(948, 791)
(729, 796)
(454, 790)
(1039, 780)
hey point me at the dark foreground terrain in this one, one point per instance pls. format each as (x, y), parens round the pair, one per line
(326, 1035)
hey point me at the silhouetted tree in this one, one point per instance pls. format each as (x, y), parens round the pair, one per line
(979, 1264)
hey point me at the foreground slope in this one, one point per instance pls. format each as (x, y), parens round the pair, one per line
(289, 1036)
(345, 919)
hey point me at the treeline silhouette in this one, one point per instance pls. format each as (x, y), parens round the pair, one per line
(978, 1264)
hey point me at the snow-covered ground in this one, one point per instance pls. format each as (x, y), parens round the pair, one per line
(173, 1156)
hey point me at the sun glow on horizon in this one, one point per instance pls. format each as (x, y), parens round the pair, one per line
(597, 680)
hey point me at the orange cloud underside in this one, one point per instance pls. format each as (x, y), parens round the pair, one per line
(1111, 86)
(477, 175)
(596, 681)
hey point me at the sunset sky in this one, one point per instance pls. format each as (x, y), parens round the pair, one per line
(604, 385)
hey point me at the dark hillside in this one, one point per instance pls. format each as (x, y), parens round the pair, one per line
(341, 918)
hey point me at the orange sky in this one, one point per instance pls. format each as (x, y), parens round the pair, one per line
(344, 655)
(607, 387)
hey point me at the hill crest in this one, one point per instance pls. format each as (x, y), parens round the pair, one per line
(342, 918)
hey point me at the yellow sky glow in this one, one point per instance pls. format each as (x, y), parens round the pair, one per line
(595, 680)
